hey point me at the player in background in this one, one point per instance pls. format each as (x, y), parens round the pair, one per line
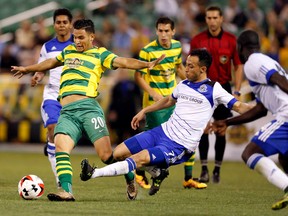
(174, 141)
(158, 83)
(50, 108)
(84, 65)
(222, 46)
(269, 83)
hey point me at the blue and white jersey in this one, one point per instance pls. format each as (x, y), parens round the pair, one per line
(194, 108)
(258, 70)
(51, 49)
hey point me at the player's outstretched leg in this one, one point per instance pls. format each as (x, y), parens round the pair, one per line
(281, 203)
(86, 170)
(156, 181)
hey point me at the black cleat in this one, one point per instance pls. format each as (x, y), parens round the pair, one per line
(204, 177)
(156, 182)
(86, 170)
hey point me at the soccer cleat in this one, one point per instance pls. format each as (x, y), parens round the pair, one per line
(156, 182)
(281, 203)
(204, 177)
(194, 184)
(142, 181)
(61, 196)
(131, 190)
(86, 170)
(216, 178)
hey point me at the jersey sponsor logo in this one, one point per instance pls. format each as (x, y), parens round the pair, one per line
(223, 59)
(167, 73)
(190, 98)
(202, 88)
(73, 62)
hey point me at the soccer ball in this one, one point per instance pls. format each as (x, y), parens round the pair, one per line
(30, 187)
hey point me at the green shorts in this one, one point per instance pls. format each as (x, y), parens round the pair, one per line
(82, 117)
(154, 119)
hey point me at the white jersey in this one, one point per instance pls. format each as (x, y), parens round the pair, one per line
(194, 108)
(51, 49)
(258, 70)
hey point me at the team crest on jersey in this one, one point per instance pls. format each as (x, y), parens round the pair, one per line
(223, 59)
(73, 62)
(167, 73)
(202, 88)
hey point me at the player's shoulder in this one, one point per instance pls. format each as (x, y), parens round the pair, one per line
(150, 45)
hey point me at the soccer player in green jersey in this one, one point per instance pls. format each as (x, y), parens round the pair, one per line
(83, 66)
(160, 82)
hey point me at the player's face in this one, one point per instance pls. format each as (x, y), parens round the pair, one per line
(165, 34)
(193, 70)
(62, 26)
(83, 40)
(214, 22)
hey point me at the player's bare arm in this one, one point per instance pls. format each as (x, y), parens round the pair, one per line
(281, 81)
(43, 66)
(131, 63)
(254, 113)
(161, 104)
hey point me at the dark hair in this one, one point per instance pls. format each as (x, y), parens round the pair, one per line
(215, 8)
(165, 20)
(248, 39)
(86, 24)
(205, 58)
(62, 11)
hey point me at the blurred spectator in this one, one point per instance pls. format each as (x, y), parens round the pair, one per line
(253, 12)
(167, 8)
(42, 31)
(229, 13)
(25, 36)
(139, 39)
(125, 103)
(8, 57)
(283, 54)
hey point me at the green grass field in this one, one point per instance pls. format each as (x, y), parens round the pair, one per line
(241, 192)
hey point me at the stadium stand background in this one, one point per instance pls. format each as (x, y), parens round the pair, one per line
(20, 119)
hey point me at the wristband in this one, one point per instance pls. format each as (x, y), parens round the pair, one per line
(237, 93)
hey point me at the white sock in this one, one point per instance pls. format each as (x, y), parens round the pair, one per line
(52, 159)
(153, 171)
(118, 168)
(269, 170)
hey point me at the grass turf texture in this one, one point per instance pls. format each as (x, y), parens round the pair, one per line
(241, 192)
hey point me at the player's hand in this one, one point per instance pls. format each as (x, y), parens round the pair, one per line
(155, 62)
(209, 128)
(136, 119)
(156, 97)
(38, 76)
(19, 71)
(220, 127)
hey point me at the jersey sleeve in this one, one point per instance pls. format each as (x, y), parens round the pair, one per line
(259, 69)
(176, 91)
(221, 96)
(107, 58)
(43, 54)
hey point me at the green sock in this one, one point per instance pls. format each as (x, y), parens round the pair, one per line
(129, 176)
(188, 167)
(64, 170)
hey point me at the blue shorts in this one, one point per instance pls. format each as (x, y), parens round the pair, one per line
(163, 151)
(273, 138)
(50, 112)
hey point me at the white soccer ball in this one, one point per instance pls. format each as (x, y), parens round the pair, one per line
(30, 187)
